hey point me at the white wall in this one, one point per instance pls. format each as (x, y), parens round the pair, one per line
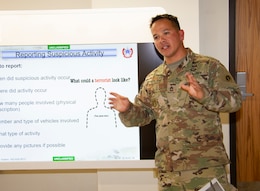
(196, 17)
(41, 5)
(187, 12)
(214, 41)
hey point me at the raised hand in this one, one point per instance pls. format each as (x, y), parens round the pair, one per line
(192, 87)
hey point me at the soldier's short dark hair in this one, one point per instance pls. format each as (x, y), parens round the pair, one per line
(171, 18)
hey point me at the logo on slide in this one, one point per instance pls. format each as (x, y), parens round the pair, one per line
(127, 52)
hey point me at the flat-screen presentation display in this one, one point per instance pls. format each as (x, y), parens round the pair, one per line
(54, 102)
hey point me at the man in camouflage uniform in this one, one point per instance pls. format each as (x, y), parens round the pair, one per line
(185, 95)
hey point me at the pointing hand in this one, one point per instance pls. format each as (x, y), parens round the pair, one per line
(118, 102)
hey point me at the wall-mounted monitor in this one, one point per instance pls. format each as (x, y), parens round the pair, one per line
(54, 102)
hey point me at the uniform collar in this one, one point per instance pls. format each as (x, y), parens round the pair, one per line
(164, 69)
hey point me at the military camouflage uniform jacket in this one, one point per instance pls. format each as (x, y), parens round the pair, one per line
(188, 131)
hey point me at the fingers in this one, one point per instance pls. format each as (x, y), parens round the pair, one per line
(186, 85)
(190, 78)
(193, 87)
(114, 94)
(118, 102)
(113, 100)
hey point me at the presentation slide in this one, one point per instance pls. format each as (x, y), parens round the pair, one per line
(54, 102)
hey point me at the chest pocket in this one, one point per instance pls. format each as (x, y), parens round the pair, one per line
(166, 93)
(176, 96)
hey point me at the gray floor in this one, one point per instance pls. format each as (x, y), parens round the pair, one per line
(248, 186)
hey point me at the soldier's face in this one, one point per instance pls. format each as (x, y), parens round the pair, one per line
(168, 40)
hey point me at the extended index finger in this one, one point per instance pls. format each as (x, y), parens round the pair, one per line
(190, 77)
(114, 94)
